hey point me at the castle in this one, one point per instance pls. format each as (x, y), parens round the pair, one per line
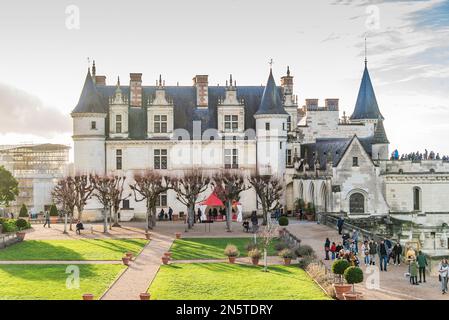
(340, 164)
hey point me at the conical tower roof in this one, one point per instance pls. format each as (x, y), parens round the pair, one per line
(366, 106)
(380, 136)
(271, 102)
(90, 100)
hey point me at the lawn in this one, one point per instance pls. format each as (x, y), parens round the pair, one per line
(210, 248)
(224, 281)
(48, 282)
(81, 249)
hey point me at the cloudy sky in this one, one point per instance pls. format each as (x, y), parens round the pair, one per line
(44, 50)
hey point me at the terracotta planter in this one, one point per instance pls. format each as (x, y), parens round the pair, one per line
(255, 261)
(145, 296)
(54, 220)
(20, 235)
(231, 259)
(125, 261)
(129, 255)
(88, 296)
(167, 254)
(287, 261)
(178, 235)
(148, 236)
(165, 259)
(352, 295)
(340, 289)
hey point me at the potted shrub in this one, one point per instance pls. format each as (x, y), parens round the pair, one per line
(23, 213)
(165, 259)
(287, 255)
(145, 296)
(125, 261)
(283, 222)
(310, 211)
(255, 255)
(338, 268)
(88, 296)
(231, 252)
(54, 215)
(129, 255)
(178, 235)
(353, 275)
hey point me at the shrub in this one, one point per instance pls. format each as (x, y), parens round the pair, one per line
(305, 251)
(339, 266)
(353, 275)
(53, 211)
(250, 246)
(286, 254)
(281, 245)
(231, 251)
(22, 224)
(299, 204)
(305, 262)
(283, 221)
(255, 254)
(23, 211)
(9, 225)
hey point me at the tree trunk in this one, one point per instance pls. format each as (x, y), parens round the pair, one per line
(191, 216)
(71, 221)
(147, 218)
(153, 219)
(228, 215)
(265, 216)
(116, 224)
(105, 220)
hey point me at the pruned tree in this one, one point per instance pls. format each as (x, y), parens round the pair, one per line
(228, 185)
(9, 187)
(188, 188)
(147, 187)
(65, 195)
(269, 192)
(266, 236)
(83, 189)
(102, 190)
(117, 197)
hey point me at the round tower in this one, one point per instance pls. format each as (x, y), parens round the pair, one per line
(271, 131)
(89, 130)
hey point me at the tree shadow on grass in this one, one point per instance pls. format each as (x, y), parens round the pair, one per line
(115, 244)
(38, 250)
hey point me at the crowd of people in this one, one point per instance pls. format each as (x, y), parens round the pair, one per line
(426, 155)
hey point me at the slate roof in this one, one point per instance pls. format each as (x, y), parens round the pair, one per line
(366, 106)
(271, 100)
(335, 146)
(90, 100)
(380, 136)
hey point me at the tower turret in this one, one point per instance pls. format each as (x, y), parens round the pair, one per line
(380, 142)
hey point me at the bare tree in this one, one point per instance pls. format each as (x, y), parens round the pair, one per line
(83, 189)
(267, 234)
(64, 194)
(102, 186)
(188, 188)
(147, 187)
(228, 185)
(117, 197)
(269, 191)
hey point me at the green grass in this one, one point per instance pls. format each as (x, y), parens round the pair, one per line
(210, 248)
(48, 282)
(223, 281)
(81, 249)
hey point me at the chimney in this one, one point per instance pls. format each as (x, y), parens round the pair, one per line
(312, 104)
(135, 89)
(201, 84)
(331, 104)
(287, 83)
(100, 80)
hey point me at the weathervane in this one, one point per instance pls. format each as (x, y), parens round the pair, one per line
(366, 55)
(271, 63)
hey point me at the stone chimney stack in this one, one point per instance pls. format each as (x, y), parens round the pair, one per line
(312, 104)
(100, 80)
(201, 83)
(331, 104)
(287, 83)
(135, 89)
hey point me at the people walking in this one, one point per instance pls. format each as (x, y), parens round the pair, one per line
(355, 239)
(383, 256)
(170, 213)
(422, 264)
(372, 252)
(47, 218)
(413, 272)
(365, 252)
(327, 247)
(340, 223)
(333, 249)
(443, 274)
(397, 252)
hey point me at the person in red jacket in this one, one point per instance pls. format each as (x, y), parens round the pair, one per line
(333, 249)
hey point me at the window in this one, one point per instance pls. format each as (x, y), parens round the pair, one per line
(289, 123)
(93, 125)
(118, 123)
(161, 201)
(416, 199)
(357, 203)
(160, 159)
(231, 123)
(355, 161)
(280, 145)
(160, 123)
(118, 159)
(267, 126)
(231, 159)
(125, 205)
(288, 158)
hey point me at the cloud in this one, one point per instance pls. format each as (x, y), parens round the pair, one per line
(23, 113)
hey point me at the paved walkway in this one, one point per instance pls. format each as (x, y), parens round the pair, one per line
(141, 272)
(2, 262)
(393, 284)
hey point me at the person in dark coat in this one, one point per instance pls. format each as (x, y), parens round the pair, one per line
(198, 213)
(254, 220)
(422, 264)
(340, 223)
(397, 252)
(327, 245)
(170, 213)
(383, 256)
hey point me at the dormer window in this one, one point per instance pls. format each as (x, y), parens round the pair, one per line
(231, 123)
(118, 123)
(93, 125)
(267, 126)
(160, 124)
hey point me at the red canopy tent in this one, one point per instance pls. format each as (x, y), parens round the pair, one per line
(212, 201)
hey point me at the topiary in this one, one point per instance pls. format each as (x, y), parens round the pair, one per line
(231, 251)
(23, 211)
(53, 211)
(283, 221)
(22, 224)
(353, 275)
(339, 266)
(305, 251)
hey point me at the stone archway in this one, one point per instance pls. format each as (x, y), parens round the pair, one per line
(357, 203)
(324, 198)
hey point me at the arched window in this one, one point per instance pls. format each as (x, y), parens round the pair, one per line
(417, 199)
(357, 203)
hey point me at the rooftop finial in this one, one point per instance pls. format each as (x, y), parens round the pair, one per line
(288, 71)
(230, 80)
(366, 59)
(118, 81)
(88, 64)
(271, 63)
(94, 69)
(160, 80)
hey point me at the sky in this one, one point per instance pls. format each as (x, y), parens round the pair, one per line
(45, 47)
